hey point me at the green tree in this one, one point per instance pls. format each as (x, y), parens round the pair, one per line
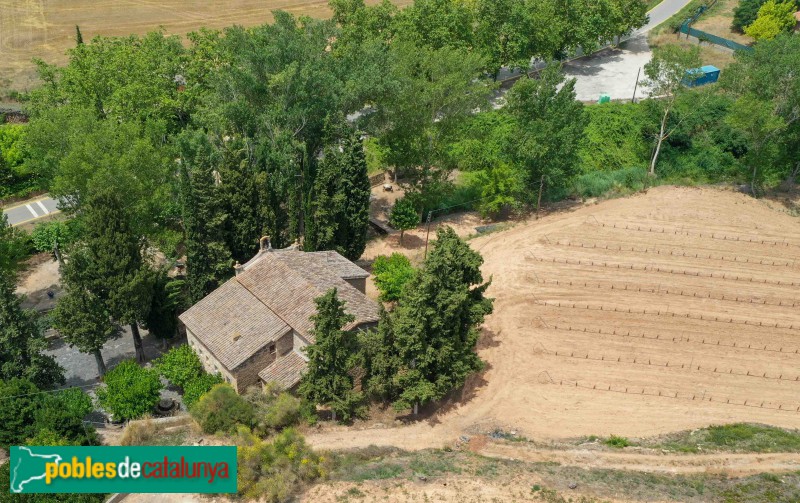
(745, 13)
(391, 274)
(169, 298)
(433, 92)
(773, 19)
(435, 324)
(761, 127)
(130, 391)
(379, 358)
(21, 342)
(340, 200)
(108, 262)
(13, 247)
(84, 322)
(769, 74)
(403, 216)
(666, 73)
(180, 365)
(222, 410)
(328, 381)
(208, 260)
(549, 129)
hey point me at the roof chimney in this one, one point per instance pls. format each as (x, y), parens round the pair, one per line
(237, 268)
(265, 244)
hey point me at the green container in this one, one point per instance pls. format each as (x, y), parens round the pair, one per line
(604, 98)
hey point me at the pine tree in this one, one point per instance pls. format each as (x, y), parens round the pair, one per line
(108, 262)
(208, 259)
(22, 343)
(327, 380)
(340, 200)
(435, 323)
(78, 35)
(85, 323)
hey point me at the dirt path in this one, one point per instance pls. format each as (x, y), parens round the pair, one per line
(648, 460)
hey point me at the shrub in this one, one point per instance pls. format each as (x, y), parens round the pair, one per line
(199, 386)
(130, 391)
(222, 410)
(614, 138)
(274, 408)
(617, 442)
(179, 365)
(48, 236)
(391, 274)
(599, 183)
(48, 437)
(275, 470)
(27, 413)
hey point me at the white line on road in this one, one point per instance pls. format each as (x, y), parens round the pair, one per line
(30, 208)
(46, 211)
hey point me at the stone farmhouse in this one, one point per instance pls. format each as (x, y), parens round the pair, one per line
(253, 328)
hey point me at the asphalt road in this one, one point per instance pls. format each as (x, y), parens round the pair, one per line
(34, 209)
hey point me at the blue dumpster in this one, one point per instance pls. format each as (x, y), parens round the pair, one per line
(707, 74)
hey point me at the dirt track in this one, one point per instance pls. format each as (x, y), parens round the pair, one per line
(698, 327)
(46, 29)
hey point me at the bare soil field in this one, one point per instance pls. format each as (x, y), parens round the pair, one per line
(46, 29)
(665, 311)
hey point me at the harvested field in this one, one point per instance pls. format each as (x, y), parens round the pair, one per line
(46, 29)
(665, 311)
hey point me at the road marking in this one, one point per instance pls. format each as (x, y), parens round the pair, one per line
(46, 211)
(30, 208)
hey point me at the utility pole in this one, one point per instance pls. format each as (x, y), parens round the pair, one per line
(639, 71)
(427, 231)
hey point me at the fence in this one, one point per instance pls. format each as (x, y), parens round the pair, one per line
(702, 36)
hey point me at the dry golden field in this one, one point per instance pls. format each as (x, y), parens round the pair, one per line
(46, 28)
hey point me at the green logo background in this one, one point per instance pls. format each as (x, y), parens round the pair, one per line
(27, 467)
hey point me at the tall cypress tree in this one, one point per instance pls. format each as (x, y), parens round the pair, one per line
(108, 262)
(22, 343)
(340, 200)
(328, 380)
(208, 258)
(435, 324)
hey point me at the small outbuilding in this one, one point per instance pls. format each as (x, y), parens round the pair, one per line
(696, 77)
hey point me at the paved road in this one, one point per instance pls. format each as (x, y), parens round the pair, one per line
(661, 12)
(614, 70)
(27, 211)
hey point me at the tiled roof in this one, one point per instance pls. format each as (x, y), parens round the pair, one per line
(272, 295)
(288, 283)
(233, 324)
(286, 370)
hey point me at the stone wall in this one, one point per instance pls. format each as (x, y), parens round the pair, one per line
(209, 361)
(247, 372)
